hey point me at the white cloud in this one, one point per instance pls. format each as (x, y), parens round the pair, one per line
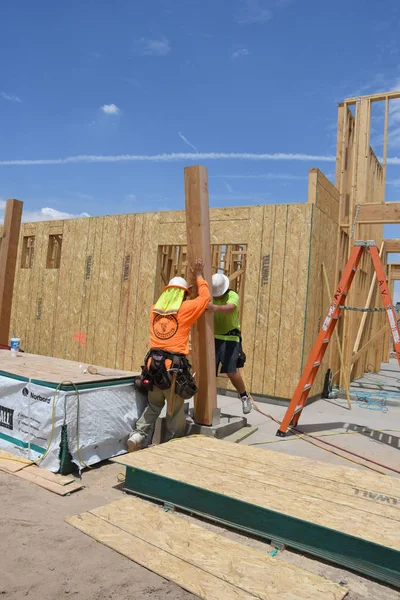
(262, 176)
(10, 97)
(131, 197)
(240, 53)
(43, 214)
(186, 141)
(253, 11)
(175, 157)
(160, 47)
(110, 109)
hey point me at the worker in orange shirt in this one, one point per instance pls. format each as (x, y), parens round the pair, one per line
(171, 319)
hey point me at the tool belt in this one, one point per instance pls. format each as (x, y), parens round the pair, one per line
(157, 369)
(241, 361)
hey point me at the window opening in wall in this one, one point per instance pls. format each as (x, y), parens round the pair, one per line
(229, 259)
(28, 251)
(54, 252)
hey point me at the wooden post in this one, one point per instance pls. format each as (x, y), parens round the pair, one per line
(199, 246)
(8, 261)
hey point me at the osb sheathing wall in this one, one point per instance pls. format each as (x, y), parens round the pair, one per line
(89, 312)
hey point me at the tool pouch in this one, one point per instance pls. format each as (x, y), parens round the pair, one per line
(241, 361)
(185, 385)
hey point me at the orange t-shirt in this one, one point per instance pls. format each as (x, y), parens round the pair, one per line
(171, 332)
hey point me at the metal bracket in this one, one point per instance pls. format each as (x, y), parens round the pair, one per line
(365, 243)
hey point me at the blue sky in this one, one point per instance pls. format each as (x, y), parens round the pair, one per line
(153, 78)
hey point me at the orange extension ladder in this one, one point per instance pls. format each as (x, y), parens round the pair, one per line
(307, 379)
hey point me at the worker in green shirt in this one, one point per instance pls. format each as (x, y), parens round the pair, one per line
(228, 339)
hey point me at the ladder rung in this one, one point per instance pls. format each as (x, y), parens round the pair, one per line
(344, 293)
(298, 409)
(336, 318)
(316, 364)
(354, 269)
(326, 341)
(307, 387)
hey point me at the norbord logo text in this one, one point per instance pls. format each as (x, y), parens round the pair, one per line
(36, 396)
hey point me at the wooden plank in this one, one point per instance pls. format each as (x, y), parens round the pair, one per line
(379, 213)
(341, 517)
(82, 338)
(375, 97)
(8, 262)
(61, 490)
(373, 340)
(198, 236)
(249, 569)
(54, 370)
(21, 295)
(49, 476)
(163, 563)
(392, 245)
(332, 492)
(11, 463)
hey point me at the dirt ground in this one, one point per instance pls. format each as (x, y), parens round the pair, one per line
(43, 558)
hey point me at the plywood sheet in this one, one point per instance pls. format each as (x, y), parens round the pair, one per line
(325, 511)
(61, 490)
(54, 370)
(229, 569)
(11, 463)
(92, 291)
(274, 317)
(263, 300)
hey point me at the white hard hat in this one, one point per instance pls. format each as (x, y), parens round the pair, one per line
(178, 282)
(220, 284)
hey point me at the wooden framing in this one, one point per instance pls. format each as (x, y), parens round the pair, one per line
(392, 245)
(8, 261)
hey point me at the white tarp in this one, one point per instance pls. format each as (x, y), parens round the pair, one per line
(31, 419)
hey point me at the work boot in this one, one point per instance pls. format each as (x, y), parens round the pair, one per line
(247, 405)
(135, 441)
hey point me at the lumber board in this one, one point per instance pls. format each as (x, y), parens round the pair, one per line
(249, 570)
(380, 213)
(375, 97)
(8, 262)
(198, 237)
(54, 370)
(163, 563)
(392, 245)
(61, 490)
(133, 309)
(11, 463)
(311, 486)
(322, 511)
(49, 476)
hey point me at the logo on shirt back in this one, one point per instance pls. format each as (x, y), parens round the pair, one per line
(165, 326)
